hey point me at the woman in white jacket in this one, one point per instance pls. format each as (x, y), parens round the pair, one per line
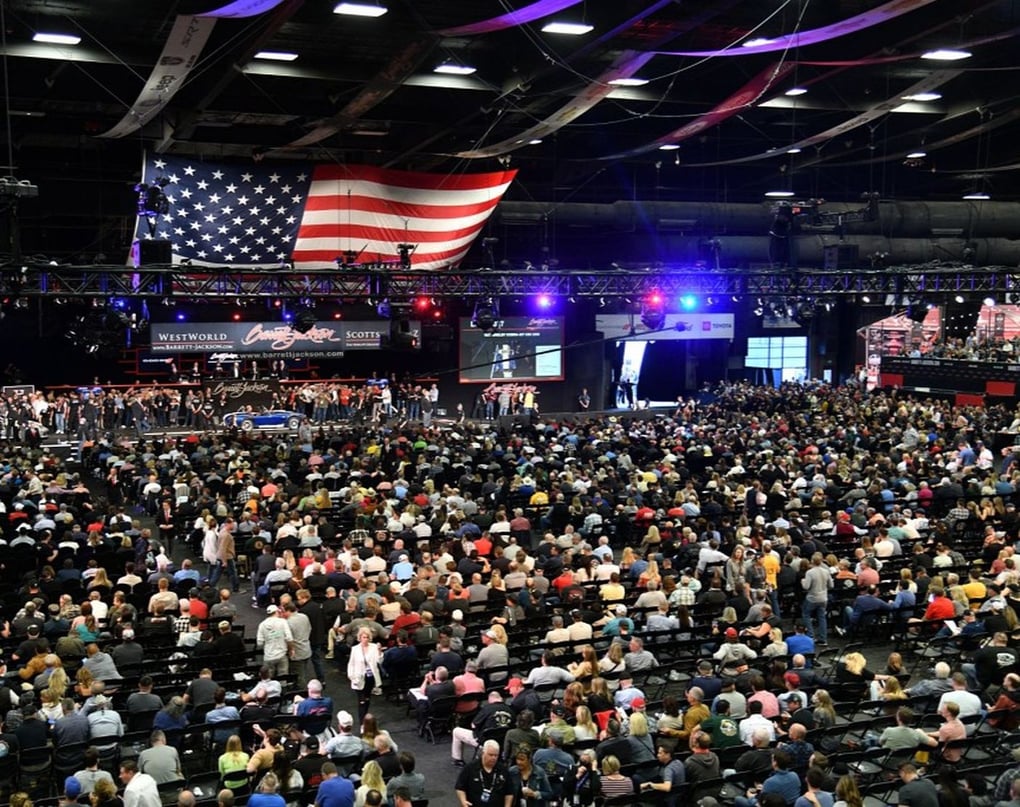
(210, 542)
(363, 670)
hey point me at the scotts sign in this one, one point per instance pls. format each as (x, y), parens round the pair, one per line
(270, 339)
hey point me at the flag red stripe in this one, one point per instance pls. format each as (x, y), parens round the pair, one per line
(329, 256)
(365, 233)
(373, 204)
(411, 179)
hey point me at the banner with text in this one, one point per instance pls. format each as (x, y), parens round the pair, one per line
(240, 394)
(684, 326)
(327, 339)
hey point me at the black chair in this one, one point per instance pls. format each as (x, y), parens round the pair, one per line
(438, 718)
(35, 771)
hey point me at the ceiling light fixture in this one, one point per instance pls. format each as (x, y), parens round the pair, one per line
(633, 81)
(753, 43)
(795, 91)
(920, 154)
(56, 39)
(354, 9)
(535, 141)
(976, 196)
(567, 28)
(793, 150)
(276, 56)
(455, 69)
(946, 55)
(669, 147)
(923, 96)
(779, 194)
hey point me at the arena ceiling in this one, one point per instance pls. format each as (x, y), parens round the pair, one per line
(364, 90)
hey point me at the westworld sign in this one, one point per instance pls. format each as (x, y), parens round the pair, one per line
(328, 339)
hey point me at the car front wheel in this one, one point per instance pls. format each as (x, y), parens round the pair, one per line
(247, 425)
(293, 423)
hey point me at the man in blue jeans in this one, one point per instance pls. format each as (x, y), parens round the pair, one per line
(816, 584)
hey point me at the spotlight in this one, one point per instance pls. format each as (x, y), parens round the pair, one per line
(544, 301)
(484, 318)
(404, 252)
(688, 302)
(653, 318)
(422, 304)
(958, 298)
(181, 316)
(989, 301)
(304, 321)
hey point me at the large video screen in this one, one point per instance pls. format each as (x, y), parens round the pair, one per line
(517, 348)
(776, 352)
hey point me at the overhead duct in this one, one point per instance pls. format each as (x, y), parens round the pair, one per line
(896, 219)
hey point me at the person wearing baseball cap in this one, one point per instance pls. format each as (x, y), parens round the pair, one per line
(618, 623)
(275, 640)
(733, 655)
(522, 698)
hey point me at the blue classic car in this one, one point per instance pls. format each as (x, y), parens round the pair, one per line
(246, 421)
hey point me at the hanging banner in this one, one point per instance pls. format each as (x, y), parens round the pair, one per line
(542, 8)
(802, 39)
(378, 89)
(677, 327)
(746, 96)
(179, 57)
(626, 65)
(327, 339)
(927, 84)
(241, 393)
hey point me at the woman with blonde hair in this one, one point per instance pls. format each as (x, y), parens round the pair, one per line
(627, 559)
(642, 748)
(363, 670)
(824, 712)
(650, 575)
(371, 779)
(58, 683)
(776, 646)
(892, 693)
(588, 666)
(584, 727)
(847, 792)
(100, 581)
(854, 673)
(234, 760)
(612, 662)
(614, 783)
(104, 794)
(599, 699)
(652, 540)
(501, 635)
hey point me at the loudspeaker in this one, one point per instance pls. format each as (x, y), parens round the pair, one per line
(507, 423)
(840, 256)
(157, 252)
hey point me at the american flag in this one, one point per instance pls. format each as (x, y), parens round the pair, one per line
(263, 215)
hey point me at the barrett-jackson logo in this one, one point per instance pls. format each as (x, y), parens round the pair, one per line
(238, 389)
(283, 337)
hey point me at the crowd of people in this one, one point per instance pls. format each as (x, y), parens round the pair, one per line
(424, 558)
(974, 347)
